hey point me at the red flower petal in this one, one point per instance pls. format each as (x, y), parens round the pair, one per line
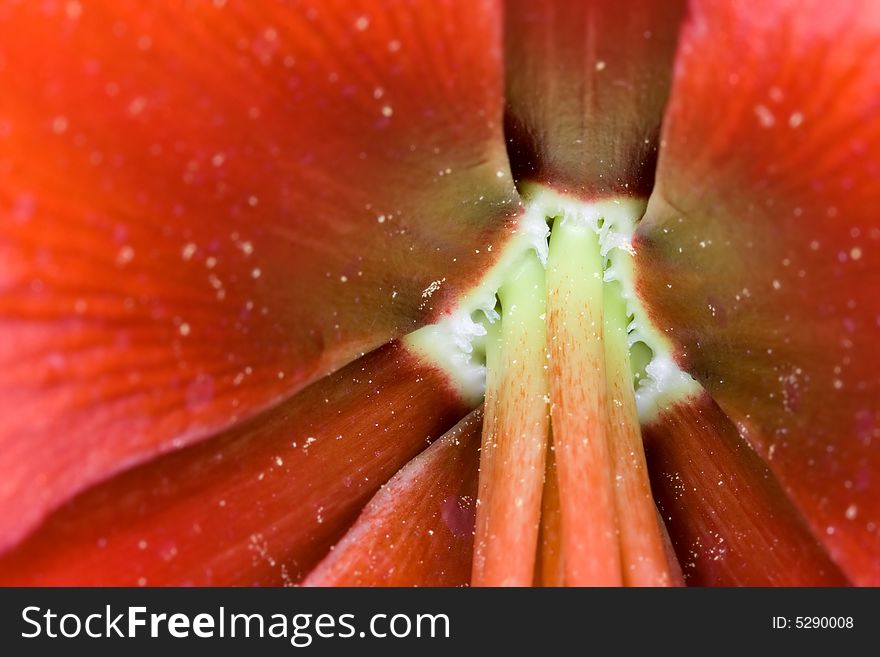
(586, 84)
(258, 505)
(207, 208)
(758, 254)
(731, 523)
(419, 528)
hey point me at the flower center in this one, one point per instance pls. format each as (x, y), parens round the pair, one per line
(557, 342)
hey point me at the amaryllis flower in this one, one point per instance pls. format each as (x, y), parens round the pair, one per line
(439, 293)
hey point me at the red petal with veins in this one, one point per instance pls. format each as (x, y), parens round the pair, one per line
(206, 208)
(419, 528)
(260, 504)
(759, 251)
(586, 84)
(730, 522)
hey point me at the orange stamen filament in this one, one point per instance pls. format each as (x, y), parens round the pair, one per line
(597, 524)
(515, 430)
